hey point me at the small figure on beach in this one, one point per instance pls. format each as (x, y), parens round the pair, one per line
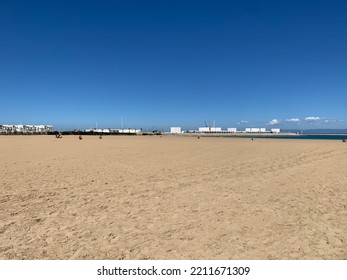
(58, 135)
(252, 139)
(80, 137)
(100, 137)
(198, 137)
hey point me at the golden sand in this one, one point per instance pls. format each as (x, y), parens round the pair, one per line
(169, 197)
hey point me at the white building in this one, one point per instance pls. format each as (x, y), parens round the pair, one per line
(232, 130)
(129, 130)
(210, 129)
(204, 129)
(275, 130)
(19, 128)
(255, 130)
(175, 129)
(112, 130)
(216, 129)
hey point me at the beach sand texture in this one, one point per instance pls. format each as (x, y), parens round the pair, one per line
(151, 197)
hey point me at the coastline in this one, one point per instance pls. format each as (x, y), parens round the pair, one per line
(268, 136)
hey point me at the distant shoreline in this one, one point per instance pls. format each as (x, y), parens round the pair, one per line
(269, 136)
(220, 135)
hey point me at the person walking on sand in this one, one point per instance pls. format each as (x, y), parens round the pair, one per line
(80, 137)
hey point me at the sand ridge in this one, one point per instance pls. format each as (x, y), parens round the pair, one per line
(151, 197)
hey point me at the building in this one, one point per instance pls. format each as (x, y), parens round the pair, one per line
(129, 130)
(25, 129)
(175, 129)
(275, 130)
(216, 129)
(210, 129)
(255, 130)
(112, 130)
(232, 130)
(125, 130)
(204, 129)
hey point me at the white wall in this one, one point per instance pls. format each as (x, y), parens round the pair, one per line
(204, 129)
(216, 129)
(210, 129)
(175, 129)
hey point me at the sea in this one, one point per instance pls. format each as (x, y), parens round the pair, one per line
(335, 137)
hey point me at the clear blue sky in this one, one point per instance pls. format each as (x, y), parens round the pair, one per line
(174, 63)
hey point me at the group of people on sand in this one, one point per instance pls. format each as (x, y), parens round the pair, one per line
(59, 135)
(80, 137)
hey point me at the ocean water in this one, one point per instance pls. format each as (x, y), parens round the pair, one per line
(305, 137)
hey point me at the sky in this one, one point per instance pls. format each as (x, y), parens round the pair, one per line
(156, 64)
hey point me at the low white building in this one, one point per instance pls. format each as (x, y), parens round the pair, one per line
(210, 129)
(129, 130)
(204, 129)
(175, 129)
(216, 129)
(112, 130)
(255, 130)
(275, 130)
(232, 130)
(19, 128)
(40, 128)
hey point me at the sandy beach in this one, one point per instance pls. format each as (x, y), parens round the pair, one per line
(170, 197)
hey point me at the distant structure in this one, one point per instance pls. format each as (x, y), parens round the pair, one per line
(204, 129)
(25, 129)
(255, 130)
(126, 130)
(175, 129)
(113, 130)
(210, 129)
(98, 130)
(231, 130)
